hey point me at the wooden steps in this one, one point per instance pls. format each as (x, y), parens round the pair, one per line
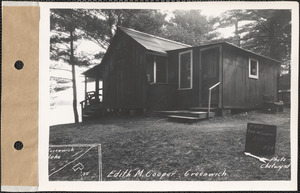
(213, 109)
(185, 115)
(92, 112)
(183, 119)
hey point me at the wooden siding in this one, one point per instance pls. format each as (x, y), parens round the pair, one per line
(194, 97)
(188, 97)
(124, 79)
(210, 74)
(161, 97)
(240, 91)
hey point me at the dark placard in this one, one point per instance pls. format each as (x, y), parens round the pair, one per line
(260, 139)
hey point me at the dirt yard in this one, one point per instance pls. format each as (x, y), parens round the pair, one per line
(153, 148)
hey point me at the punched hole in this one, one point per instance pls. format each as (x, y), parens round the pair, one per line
(19, 65)
(18, 145)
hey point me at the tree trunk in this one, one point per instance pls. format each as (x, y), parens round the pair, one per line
(73, 79)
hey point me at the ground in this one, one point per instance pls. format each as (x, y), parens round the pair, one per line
(153, 148)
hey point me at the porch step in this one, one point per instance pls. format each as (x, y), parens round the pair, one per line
(204, 109)
(94, 108)
(93, 112)
(183, 119)
(187, 113)
(187, 116)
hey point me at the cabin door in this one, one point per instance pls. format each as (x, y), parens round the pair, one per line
(209, 75)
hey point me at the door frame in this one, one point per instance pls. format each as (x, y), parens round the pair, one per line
(220, 97)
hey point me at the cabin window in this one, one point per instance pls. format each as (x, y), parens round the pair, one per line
(156, 69)
(253, 68)
(161, 69)
(185, 70)
(149, 68)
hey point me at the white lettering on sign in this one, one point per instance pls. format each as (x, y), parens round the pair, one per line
(56, 156)
(260, 133)
(61, 150)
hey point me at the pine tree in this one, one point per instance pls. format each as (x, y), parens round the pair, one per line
(268, 32)
(190, 27)
(65, 31)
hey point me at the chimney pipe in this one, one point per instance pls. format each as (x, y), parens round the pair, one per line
(236, 38)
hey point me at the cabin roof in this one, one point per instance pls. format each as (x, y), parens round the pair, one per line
(231, 45)
(153, 43)
(94, 72)
(148, 41)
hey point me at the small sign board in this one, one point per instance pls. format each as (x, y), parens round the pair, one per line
(260, 139)
(78, 162)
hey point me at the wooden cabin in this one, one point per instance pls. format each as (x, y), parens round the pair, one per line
(142, 71)
(243, 75)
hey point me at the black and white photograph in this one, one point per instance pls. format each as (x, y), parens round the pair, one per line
(170, 94)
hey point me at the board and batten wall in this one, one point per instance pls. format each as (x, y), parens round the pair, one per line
(197, 96)
(239, 90)
(185, 98)
(160, 95)
(124, 80)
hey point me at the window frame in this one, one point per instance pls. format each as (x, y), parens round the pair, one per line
(155, 71)
(179, 70)
(257, 68)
